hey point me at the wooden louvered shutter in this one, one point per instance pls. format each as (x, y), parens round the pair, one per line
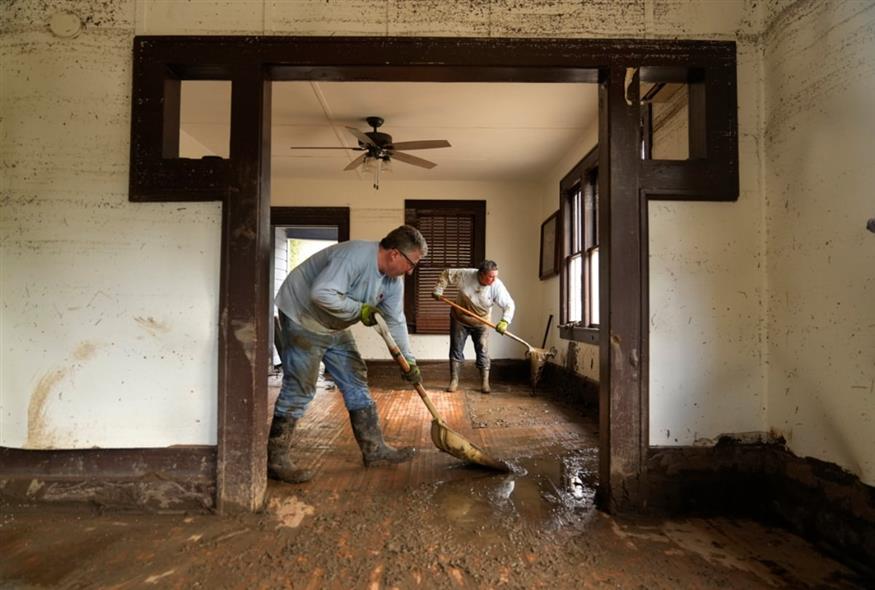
(454, 232)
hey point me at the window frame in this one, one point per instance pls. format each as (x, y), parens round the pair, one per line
(413, 209)
(584, 172)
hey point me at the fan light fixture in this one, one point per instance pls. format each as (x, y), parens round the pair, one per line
(377, 167)
(379, 150)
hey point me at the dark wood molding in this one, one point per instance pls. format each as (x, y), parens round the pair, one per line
(155, 479)
(243, 324)
(242, 183)
(336, 216)
(580, 333)
(623, 404)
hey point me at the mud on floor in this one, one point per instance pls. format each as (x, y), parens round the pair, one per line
(431, 523)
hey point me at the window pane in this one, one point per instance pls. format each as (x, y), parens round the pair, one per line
(589, 215)
(576, 222)
(593, 282)
(594, 184)
(575, 288)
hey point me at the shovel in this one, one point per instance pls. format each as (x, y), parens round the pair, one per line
(443, 437)
(538, 357)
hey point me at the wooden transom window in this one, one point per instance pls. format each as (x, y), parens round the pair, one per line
(455, 232)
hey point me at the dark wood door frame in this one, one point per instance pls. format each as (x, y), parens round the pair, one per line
(242, 182)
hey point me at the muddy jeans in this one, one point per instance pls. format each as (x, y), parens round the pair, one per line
(301, 355)
(459, 332)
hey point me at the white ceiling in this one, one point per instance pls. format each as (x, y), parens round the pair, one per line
(498, 131)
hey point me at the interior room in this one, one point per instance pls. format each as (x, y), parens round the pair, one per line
(675, 195)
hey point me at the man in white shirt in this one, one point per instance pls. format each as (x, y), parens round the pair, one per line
(479, 288)
(318, 302)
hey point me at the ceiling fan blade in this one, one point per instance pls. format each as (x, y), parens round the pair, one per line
(425, 144)
(408, 159)
(355, 163)
(361, 136)
(295, 147)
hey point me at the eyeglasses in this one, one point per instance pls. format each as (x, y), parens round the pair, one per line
(407, 258)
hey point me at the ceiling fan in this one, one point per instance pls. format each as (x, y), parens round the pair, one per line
(378, 147)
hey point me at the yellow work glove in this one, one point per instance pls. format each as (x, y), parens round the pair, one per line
(368, 314)
(501, 327)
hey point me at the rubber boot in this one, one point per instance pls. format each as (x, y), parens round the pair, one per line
(484, 381)
(279, 450)
(366, 428)
(455, 371)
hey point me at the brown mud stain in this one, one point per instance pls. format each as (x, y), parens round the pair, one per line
(84, 351)
(289, 511)
(244, 333)
(38, 434)
(37, 429)
(152, 326)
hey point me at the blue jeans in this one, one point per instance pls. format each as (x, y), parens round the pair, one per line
(459, 332)
(301, 355)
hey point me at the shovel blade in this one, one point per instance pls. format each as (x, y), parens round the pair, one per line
(453, 443)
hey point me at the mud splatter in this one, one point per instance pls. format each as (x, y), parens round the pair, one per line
(37, 430)
(244, 332)
(84, 351)
(38, 434)
(290, 512)
(153, 326)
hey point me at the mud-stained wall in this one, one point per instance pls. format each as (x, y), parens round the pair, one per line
(510, 236)
(819, 125)
(707, 323)
(136, 284)
(109, 308)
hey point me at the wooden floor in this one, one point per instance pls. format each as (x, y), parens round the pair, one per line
(509, 424)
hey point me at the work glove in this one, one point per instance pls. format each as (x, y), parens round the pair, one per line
(414, 375)
(368, 314)
(501, 327)
(437, 295)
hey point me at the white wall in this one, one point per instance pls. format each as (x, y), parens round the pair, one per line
(820, 171)
(511, 240)
(109, 309)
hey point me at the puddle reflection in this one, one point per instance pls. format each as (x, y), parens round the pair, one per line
(541, 492)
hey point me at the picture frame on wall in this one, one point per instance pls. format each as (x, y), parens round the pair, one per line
(549, 261)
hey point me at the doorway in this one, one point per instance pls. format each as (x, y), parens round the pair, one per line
(626, 182)
(298, 233)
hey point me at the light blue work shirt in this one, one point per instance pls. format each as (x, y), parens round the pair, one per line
(325, 293)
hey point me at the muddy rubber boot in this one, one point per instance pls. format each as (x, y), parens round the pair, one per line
(366, 428)
(279, 450)
(484, 381)
(455, 371)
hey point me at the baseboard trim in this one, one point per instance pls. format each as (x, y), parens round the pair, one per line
(171, 479)
(816, 499)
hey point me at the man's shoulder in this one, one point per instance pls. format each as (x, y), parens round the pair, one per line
(353, 248)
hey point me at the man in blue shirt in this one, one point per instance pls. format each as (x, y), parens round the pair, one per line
(318, 302)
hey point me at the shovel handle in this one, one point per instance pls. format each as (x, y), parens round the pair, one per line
(487, 322)
(383, 330)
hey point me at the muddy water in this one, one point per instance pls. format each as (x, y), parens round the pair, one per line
(542, 493)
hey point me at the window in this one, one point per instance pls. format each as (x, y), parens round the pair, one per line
(455, 232)
(580, 251)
